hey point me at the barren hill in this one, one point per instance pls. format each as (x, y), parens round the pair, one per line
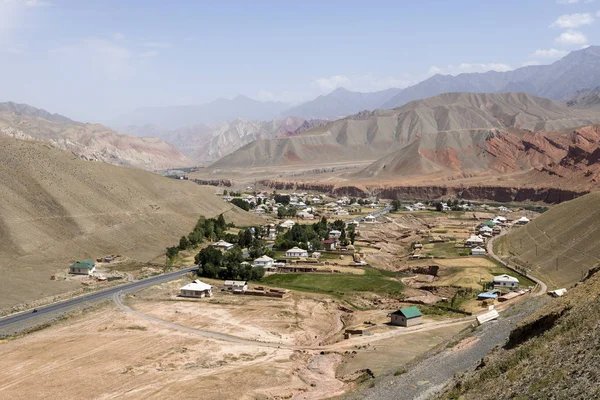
(56, 208)
(560, 245)
(464, 119)
(88, 141)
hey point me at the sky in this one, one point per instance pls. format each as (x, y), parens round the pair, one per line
(93, 60)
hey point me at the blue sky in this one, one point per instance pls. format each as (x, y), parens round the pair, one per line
(92, 60)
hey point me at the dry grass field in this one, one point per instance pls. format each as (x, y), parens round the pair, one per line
(56, 209)
(560, 245)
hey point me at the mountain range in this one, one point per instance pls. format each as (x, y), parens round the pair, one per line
(420, 130)
(579, 70)
(92, 142)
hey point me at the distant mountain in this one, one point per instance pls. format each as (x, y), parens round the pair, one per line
(173, 117)
(372, 135)
(584, 99)
(341, 103)
(92, 142)
(576, 71)
(205, 144)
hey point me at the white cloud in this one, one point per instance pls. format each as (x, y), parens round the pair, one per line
(597, 13)
(530, 63)
(567, 1)
(469, 67)
(572, 37)
(157, 44)
(361, 83)
(572, 21)
(118, 36)
(37, 3)
(326, 85)
(550, 53)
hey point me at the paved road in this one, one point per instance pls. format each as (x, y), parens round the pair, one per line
(376, 214)
(490, 249)
(57, 308)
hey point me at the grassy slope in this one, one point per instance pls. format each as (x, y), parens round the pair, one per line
(561, 362)
(568, 232)
(56, 208)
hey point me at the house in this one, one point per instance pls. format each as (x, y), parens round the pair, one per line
(315, 200)
(558, 292)
(499, 219)
(236, 286)
(316, 255)
(259, 210)
(305, 215)
(491, 295)
(408, 316)
(196, 289)
(474, 241)
(334, 234)
(522, 221)
(287, 224)
(264, 261)
(417, 246)
(85, 267)
(296, 252)
(485, 229)
(370, 218)
(506, 281)
(342, 212)
(373, 205)
(330, 244)
(478, 251)
(355, 223)
(222, 245)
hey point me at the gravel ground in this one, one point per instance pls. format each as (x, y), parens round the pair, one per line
(428, 375)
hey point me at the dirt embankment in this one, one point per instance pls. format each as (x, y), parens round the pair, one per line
(430, 192)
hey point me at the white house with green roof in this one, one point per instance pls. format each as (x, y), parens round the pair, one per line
(85, 267)
(408, 316)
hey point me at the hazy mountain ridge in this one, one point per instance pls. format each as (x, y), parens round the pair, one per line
(92, 142)
(369, 136)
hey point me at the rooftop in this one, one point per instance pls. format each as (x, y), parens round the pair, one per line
(409, 312)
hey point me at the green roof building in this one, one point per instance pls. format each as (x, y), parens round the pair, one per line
(85, 267)
(408, 316)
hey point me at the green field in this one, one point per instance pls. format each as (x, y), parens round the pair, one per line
(339, 285)
(444, 250)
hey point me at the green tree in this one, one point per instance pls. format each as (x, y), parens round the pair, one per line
(209, 255)
(233, 256)
(221, 222)
(257, 273)
(396, 205)
(439, 206)
(241, 203)
(183, 243)
(172, 252)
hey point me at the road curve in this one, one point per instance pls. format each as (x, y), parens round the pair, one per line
(490, 249)
(63, 306)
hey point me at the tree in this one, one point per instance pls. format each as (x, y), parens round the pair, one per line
(241, 203)
(195, 237)
(172, 252)
(439, 206)
(221, 222)
(343, 239)
(352, 235)
(183, 243)
(225, 192)
(209, 255)
(282, 199)
(338, 225)
(233, 256)
(396, 205)
(257, 273)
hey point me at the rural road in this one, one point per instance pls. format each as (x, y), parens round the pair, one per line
(490, 250)
(63, 306)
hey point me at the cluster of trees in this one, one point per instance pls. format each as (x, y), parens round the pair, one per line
(282, 199)
(286, 212)
(396, 205)
(211, 229)
(453, 204)
(232, 194)
(241, 203)
(228, 265)
(312, 235)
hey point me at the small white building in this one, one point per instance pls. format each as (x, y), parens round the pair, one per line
(316, 255)
(296, 252)
(196, 289)
(334, 234)
(264, 261)
(315, 200)
(478, 251)
(522, 221)
(370, 219)
(287, 224)
(305, 215)
(486, 229)
(236, 286)
(342, 212)
(222, 245)
(506, 281)
(474, 240)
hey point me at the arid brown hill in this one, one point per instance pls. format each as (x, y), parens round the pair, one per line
(89, 141)
(449, 121)
(56, 208)
(559, 246)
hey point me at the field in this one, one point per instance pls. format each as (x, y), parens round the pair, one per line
(472, 277)
(339, 285)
